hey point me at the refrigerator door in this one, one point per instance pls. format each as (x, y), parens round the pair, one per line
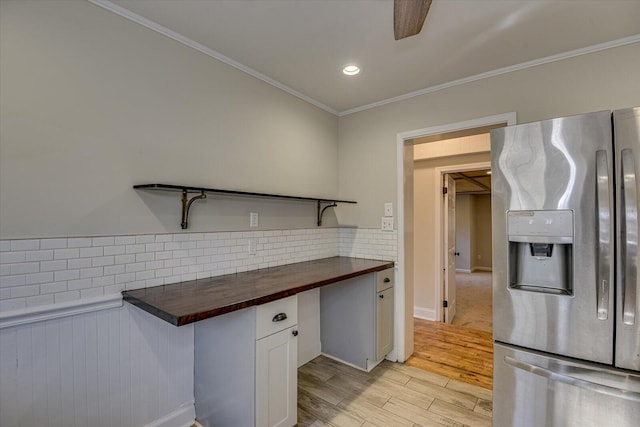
(627, 134)
(552, 216)
(532, 389)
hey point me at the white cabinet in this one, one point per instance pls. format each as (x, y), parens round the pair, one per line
(277, 363)
(356, 319)
(276, 379)
(246, 367)
(384, 329)
(246, 361)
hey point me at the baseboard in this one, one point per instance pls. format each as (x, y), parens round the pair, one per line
(309, 353)
(424, 313)
(481, 269)
(463, 270)
(371, 365)
(182, 417)
(393, 356)
(344, 362)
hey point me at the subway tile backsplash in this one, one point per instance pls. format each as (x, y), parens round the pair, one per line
(38, 272)
(368, 243)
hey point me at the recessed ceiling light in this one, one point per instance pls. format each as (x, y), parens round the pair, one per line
(351, 70)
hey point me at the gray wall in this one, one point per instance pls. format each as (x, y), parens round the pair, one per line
(473, 232)
(368, 140)
(463, 232)
(481, 240)
(92, 103)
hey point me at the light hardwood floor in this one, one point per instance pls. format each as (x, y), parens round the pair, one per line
(454, 352)
(392, 394)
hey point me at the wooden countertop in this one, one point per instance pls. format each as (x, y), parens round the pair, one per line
(188, 302)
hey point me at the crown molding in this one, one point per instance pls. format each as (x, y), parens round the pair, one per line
(126, 13)
(524, 65)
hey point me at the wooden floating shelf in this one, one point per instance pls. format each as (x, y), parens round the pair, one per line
(186, 202)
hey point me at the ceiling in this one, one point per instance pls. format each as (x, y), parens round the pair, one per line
(302, 45)
(473, 182)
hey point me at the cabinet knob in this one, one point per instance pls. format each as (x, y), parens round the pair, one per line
(381, 296)
(279, 317)
(294, 333)
(386, 280)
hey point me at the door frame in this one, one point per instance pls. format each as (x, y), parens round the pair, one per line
(439, 225)
(404, 168)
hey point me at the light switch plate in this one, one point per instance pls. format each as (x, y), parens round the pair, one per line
(253, 219)
(387, 223)
(388, 209)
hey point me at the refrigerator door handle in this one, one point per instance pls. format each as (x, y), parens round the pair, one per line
(629, 238)
(604, 235)
(577, 382)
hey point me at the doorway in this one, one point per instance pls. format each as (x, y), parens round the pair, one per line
(405, 306)
(435, 250)
(473, 255)
(444, 187)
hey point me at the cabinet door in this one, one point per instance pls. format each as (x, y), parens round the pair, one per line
(276, 379)
(384, 323)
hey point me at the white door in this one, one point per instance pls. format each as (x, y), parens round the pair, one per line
(277, 379)
(449, 242)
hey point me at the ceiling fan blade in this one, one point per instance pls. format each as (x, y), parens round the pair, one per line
(408, 17)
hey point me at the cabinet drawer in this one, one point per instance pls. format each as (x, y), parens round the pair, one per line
(384, 279)
(276, 316)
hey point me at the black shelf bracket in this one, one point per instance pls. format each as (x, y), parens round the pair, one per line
(186, 205)
(322, 203)
(321, 211)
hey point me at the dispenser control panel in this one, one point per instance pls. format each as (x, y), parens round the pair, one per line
(557, 223)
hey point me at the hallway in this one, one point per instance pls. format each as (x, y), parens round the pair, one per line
(473, 300)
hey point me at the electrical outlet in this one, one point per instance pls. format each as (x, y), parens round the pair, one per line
(388, 209)
(253, 245)
(387, 224)
(253, 219)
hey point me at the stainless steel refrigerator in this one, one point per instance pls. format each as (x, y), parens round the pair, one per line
(566, 302)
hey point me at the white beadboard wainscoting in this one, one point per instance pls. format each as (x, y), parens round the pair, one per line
(73, 355)
(113, 367)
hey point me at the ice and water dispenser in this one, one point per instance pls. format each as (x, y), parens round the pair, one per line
(541, 251)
